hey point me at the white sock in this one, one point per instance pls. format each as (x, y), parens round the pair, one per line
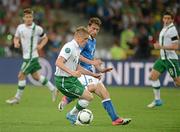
(74, 111)
(19, 94)
(50, 86)
(156, 94)
(81, 104)
(21, 84)
(47, 83)
(156, 85)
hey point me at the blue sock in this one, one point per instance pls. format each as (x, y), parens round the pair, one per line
(108, 106)
(69, 99)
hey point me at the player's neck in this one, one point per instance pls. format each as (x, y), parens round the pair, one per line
(167, 25)
(91, 37)
(29, 24)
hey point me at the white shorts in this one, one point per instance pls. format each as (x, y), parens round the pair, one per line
(87, 80)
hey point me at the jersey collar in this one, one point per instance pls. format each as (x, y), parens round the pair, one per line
(76, 44)
(171, 24)
(91, 38)
(32, 25)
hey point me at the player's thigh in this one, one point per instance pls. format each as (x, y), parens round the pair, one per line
(157, 70)
(87, 95)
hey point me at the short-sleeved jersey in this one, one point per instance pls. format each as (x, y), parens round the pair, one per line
(88, 52)
(29, 37)
(168, 35)
(71, 52)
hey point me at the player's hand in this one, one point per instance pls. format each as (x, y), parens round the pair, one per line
(16, 45)
(97, 75)
(157, 45)
(97, 62)
(76, 73)
(39, 47)
(104, 70)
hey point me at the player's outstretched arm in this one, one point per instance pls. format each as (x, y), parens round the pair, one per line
(86, 72)
(103, 70)
(94, 62)
(60, 63)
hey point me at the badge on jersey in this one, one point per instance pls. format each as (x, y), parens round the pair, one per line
(67, 50)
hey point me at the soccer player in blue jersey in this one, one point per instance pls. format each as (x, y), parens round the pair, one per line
(94, 85)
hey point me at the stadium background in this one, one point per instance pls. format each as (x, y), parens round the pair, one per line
(128, 31)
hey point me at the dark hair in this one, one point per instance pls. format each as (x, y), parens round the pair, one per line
(169, 12)
(94, 20)
(27, 11)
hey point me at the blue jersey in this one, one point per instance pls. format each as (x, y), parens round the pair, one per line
(88, 52)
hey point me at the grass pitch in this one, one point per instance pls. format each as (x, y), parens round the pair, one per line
(36, 112)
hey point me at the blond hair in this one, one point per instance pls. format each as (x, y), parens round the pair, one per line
(81, 30)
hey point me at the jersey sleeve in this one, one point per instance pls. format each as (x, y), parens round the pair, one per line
(66, 52)
(173, 34)
(41, 32)
(17, 33)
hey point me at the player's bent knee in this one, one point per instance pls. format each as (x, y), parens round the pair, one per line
(177, 84)
(153, 77)
(84, 103)
(21, 76)
(177, 81)
(35, 78)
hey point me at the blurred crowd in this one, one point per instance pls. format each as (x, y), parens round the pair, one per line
(133, 24)
(47, 14)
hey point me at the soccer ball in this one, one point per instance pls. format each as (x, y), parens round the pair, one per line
(85, 116)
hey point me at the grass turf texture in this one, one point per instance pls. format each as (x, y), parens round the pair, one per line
(37, 113)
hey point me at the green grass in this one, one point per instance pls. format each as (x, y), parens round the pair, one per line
(36, 112)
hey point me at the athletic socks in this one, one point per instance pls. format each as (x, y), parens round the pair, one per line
(108, 106)
(21, 86)
(156, 90)
(81, 104)
(44, 81)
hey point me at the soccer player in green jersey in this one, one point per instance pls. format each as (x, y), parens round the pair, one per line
(68, 70)
(31, 38)
(168, 61)
(94, 85)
